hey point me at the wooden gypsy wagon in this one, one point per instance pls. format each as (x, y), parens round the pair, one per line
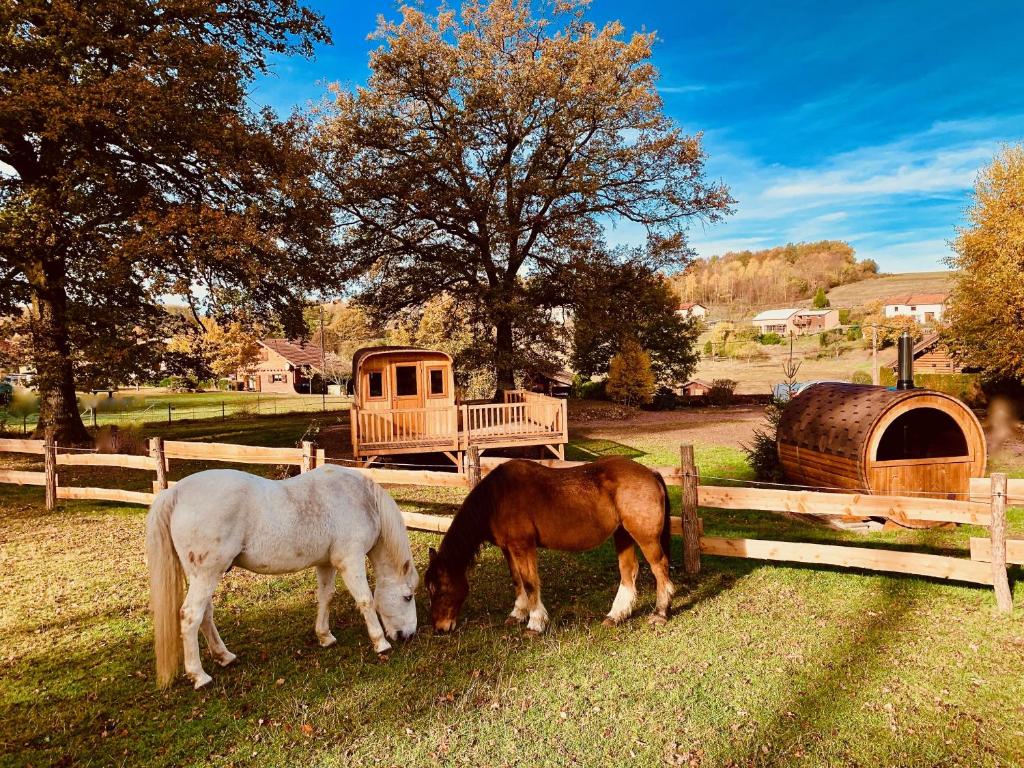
(883, 441)
(405, 402)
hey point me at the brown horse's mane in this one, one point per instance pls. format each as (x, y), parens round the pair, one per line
(471, 527)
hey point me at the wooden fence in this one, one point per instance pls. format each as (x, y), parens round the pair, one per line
(985, 564)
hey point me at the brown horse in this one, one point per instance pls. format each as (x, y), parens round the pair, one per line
(521, 505)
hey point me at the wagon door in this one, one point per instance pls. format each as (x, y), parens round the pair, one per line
(407, 400)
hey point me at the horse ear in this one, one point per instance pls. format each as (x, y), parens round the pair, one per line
(431, 554)
(406, 566)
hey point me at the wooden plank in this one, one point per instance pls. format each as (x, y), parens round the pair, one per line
(241, 454)
(981, 550)
(17, 445)
(414, 477)
(997, 544)
(417, 521)
(981, 490)
(20, 477)
(691, 534)
(844, 504)
(935, 566)
(104, 494)
(124, 460)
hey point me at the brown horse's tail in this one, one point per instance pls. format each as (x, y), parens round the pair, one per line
(165, 587)
(666, 528)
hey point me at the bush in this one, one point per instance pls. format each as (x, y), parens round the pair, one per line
(708, 348)
(721, 392)
(179, 383)
(854, 333)
(860, 377)
(763, 453)
(585, 389)
(665, 400)
(769, 338)
(630, 379)
(844, 316)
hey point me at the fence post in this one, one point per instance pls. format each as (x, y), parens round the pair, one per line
(169, 407)
(1004, 598)
(50, 467)
(473, 465)
(691, 526)
(223, 415)
(156, 451)
(308, 455)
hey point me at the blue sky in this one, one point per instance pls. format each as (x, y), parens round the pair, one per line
(864, 121)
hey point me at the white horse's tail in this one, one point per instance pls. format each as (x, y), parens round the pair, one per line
(393, 535)
(166, 583)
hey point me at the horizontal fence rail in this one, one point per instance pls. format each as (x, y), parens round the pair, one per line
(985, 565)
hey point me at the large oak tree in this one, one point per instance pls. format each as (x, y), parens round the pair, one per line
(132, 166)
(491, 146)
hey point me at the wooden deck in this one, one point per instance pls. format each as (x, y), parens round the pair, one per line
(523, 419)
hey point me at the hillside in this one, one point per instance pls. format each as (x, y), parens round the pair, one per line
(780, 276)
(862, 292)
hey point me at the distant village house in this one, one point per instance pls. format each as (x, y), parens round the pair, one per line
(692, 309)
(284, 367)
(694, 388)
(931, 356)
(796, 321)
(925, 308)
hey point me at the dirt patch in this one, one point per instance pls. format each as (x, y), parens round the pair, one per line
(731, 427)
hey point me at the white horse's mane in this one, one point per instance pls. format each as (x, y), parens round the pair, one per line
(393, 536)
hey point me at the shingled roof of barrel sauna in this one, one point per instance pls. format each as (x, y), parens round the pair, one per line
(881, 441)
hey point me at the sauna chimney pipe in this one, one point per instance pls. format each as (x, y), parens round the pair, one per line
(905, 379)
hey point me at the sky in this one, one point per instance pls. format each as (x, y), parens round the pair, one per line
(865, 121)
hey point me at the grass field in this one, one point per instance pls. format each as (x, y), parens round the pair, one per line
(150, 405)
(856, 295)
(760, 665)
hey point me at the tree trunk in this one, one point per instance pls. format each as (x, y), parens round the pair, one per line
(51, 348)
(504, 357)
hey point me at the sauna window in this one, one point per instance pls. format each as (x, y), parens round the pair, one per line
(436, 382)
(405, 380)
(923, 433)
(375, 384)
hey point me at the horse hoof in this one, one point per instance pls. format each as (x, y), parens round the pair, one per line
(513, 621)
(328, 641)
(201, 681)
(657, 620)
(227, 659)
(609, 622)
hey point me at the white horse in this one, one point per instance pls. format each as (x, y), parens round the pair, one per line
(330, 518)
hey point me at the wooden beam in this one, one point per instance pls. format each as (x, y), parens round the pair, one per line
(156, 452)
(50, 468)
(105, 494)
(242, 454)
(691, 533)
(20, 477)
(936, 566)
(981, 490)
(997, 544)
(123, 460)
(981, 550)
(16, 445)
(844, 504)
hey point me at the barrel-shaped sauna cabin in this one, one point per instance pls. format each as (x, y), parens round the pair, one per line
(882, 441)
(405, 403)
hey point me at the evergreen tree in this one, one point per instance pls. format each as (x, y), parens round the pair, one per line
(630, 379)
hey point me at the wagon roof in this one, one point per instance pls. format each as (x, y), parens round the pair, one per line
(837, 418)
(365, 352)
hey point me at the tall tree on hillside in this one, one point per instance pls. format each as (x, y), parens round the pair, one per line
(986, 308)
(488, 148)
(132, 166)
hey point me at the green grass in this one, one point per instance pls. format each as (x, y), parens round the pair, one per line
(761, 664)
(150, 406)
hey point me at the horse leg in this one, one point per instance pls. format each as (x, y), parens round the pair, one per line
(520, 611)
(353, 573)
(659, 566)
(201, 586)
(220, 652)
(525, 561)
(625, 597)
(324, 592)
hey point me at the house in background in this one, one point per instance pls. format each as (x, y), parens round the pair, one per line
(557, 384)
(693, 388)
(796, 321)
(284, 366)
(692, 309)
(926, 308)
(931, 356)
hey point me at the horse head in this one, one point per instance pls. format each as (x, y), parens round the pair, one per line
(395, 602)
(447, 588)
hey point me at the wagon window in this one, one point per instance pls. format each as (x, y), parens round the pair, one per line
(375, 382)
(923, 433)
(437, 382)
(405, 380)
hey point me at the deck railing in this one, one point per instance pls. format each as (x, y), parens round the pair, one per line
(408, 426)
(522, 413)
